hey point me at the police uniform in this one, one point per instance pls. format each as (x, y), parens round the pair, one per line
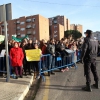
(88, 56)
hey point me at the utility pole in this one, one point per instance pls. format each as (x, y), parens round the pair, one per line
(6, 44)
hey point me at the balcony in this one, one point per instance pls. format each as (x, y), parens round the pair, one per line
(22, 35)
(22, 23)
(18, 22)
(22, 29)
(28, 26)
(29, 33)
(28, 20)
(18, 28)
(18, 34)
(55, 21)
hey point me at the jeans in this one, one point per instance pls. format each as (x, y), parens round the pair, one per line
(51, 62)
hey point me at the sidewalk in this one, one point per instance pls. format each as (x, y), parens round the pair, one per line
(16, 89)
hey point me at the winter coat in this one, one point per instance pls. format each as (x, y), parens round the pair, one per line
(16, 56)
(89, 49)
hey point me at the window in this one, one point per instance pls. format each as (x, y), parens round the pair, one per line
(22, 29)
(33, 19)
(18, 33)
(29, 32)
(28, 26)
(34, 32)
(18, 22)
(55, 21)
(55, 32)
(22, 23)
(22, 35)
(55, 35)
(55, 26)
(28, 20)
(18, 28)
(34, 25)
(34, 38)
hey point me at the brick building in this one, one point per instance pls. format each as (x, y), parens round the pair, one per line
(57, 31)
(77, 27)
(60, 20)
(62, 24)
(36, 27)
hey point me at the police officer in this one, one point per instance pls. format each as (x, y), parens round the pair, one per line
(88, 56)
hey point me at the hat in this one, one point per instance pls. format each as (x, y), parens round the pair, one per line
(88, 32)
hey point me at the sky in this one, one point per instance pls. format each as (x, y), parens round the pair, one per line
(84, 12)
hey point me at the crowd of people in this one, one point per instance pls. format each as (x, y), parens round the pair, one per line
(55, 48)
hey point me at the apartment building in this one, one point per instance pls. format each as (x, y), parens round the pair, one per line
(97, 35)
(77, 27)
(36, 27)
(57, 31)
(60, 20)
(73, 27)
(68, 24)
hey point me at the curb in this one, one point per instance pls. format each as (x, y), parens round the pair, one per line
(33, 90)
(22, 95)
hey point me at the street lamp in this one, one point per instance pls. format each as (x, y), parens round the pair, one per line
(6, 44)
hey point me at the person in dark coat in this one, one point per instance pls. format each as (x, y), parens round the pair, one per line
(88, 56)
(16, 56)
(29, 63)
(51, 51)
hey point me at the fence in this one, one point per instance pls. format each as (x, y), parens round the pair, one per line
(3, 68)
(60, 62)
(45, 64)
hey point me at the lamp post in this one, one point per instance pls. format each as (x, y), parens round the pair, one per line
(1, 30)
(6, 44)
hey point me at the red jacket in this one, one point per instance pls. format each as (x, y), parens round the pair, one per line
(16, 56)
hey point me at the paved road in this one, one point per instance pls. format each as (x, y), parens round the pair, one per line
(67, 86)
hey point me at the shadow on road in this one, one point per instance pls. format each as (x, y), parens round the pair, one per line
(64, 88)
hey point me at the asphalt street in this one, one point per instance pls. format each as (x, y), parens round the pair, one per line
(67, 86)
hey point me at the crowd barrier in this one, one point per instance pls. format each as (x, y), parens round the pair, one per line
(3, 68)
(44, 63)
(60, 62)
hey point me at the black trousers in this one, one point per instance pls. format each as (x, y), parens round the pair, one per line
(90, 65)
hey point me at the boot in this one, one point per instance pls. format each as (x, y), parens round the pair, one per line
(35, 75)
(87, 88)
(16, 77)
(96, 85)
